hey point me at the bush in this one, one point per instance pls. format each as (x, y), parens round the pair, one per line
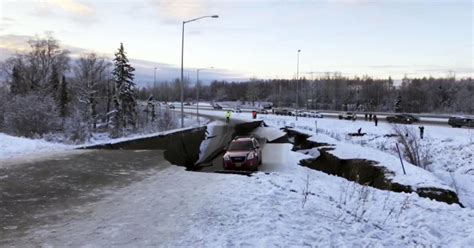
(76, 130)
(31, 115)
(412, 148)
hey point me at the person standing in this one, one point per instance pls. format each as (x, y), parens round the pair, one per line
(376, 120)
(254, 114)
(422, 130)
(227, 116)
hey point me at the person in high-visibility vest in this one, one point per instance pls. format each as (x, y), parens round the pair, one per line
(227, 116)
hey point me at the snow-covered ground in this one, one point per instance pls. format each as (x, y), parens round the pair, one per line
(451, 149)
(285, 205)
(18, 149)
(291, 206)
(15, 149)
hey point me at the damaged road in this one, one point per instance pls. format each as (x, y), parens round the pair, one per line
(362, 171)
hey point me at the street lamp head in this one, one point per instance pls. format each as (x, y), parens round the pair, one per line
(215, 16)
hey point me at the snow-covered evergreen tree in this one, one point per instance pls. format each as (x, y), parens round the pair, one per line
(52, 86)
(116, 119)
(398, 104)
(125, 89)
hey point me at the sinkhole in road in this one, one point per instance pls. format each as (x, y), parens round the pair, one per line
(201, 149)
(197, 149)
(364, 172)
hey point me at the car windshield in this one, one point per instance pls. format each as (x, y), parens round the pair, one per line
(240, 146)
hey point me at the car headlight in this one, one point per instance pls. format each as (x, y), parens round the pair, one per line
(226, 157)
(250, 155)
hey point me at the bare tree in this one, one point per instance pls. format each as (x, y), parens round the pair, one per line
(90, 75)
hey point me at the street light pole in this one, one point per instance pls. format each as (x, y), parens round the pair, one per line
(154, 83)
(182, 63)
(297, 81)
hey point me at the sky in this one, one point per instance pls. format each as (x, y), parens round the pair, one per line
(257, 38)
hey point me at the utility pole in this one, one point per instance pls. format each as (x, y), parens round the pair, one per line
(182, 63)
(154, 83)
(297, 81)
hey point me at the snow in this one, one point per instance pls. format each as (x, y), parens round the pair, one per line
(270, 134)
(14, 149)
(177, 208)
(284, 205)
(452, 149)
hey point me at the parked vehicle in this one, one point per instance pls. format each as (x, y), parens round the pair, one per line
(243, 153)
(171, 106)
(412, 117)
(262, 111)
(267, 106)
(311, 114)
(402, 119)
(237, 110)
(461, 121)
(282, 111)
(347, 116)
(315, 114)
(295, 112)
(217, 106)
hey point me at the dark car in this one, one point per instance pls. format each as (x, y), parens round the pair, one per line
(281, 111)
(243, 154)
(262, 111)
(237, 110)
(461, 121)
(267, 106)
(171, 106)
(402, 119)
(217, 106)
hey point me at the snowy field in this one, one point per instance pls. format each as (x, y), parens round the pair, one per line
(284, 205)
(451, 149)
(18, 149)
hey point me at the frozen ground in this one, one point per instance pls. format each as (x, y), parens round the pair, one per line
(285, 205)
(290, 206)
(15, 149)
(18, 149)
(451, 149)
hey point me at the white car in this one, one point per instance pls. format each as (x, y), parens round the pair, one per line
(314, 114)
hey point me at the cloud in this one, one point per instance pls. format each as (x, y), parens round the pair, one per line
(179, 10)
(73, 7)
(14, 43)
(6, 22)
(11, 44)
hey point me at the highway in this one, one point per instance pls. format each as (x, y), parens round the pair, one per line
(431, 119)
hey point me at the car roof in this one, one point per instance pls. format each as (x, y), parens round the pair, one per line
(243, 139)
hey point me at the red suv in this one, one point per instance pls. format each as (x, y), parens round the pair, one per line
(243, 154)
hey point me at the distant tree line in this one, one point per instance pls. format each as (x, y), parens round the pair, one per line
(46, 93)
(335, 92)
